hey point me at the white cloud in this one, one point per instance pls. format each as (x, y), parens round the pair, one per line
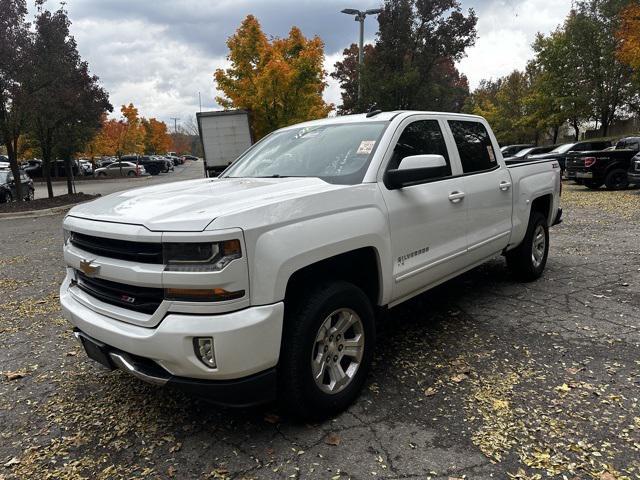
(506, 31)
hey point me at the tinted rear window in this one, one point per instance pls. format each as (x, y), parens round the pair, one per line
(474, 146)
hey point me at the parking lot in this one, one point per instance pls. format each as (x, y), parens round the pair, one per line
(187, 171)
(481, 378)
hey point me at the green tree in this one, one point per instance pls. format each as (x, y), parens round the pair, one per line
(412, 64)
(70, 103)
(591, 32)
(15, 49)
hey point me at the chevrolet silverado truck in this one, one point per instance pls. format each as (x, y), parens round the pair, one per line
(264, 283)
(608, 167)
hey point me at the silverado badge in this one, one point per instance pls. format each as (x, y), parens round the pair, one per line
(88, 269)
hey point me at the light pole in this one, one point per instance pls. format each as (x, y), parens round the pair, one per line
(359, 17)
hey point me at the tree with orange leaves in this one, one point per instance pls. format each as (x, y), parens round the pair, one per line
(279, 81)
(156, 136)
(629, 36)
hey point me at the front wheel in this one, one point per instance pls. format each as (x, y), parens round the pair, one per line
(592, 185)
(327, 348)
(527, 260)
(616, 179)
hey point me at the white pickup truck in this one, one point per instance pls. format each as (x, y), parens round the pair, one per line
(265, 282)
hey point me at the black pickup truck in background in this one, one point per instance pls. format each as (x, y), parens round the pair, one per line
(561, 152)
(633, 174)
(609, 167)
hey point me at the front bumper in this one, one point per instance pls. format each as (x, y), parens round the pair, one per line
(246, 342)
(244, 392)
(634, 177)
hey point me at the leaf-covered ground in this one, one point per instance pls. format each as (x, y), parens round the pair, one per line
(481, 378)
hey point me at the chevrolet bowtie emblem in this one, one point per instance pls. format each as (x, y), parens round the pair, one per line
(88, 268)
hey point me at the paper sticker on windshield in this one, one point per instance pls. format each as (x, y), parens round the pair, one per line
(366, 147)
(492, 156)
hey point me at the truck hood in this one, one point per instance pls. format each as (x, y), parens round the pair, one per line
(194, 204)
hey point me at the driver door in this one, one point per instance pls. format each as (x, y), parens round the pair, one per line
(427, 220)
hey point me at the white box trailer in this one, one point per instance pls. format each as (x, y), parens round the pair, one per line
(225, 135)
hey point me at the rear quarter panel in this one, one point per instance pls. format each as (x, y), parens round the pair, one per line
(531, 181)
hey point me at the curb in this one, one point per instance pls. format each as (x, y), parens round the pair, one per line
(38, 213)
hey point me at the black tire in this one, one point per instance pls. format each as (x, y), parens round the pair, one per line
(153, 171)
(592, 185)
(521, 260)
(131, 173)
(298, 393)
(102, 174)
(31, 194)
(616, 179)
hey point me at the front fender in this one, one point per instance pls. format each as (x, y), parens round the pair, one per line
(285, 249)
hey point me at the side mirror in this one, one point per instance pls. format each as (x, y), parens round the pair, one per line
(416, 169)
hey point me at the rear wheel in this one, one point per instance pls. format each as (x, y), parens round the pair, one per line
(527, 261)
(616, 179)
(131, 173)
(327, 350)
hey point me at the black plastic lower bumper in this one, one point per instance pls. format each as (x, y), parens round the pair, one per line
(248, 391)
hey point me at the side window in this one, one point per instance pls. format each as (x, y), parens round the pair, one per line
(474, 146)
(422, 137)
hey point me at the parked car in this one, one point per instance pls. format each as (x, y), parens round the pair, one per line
(511, 150)
(190, 157)
(33, 168)
(120, 169)
(86, 167)
(633, 174)
(265, 281)
(168, 164)
(151, 165)
(8, 191)
(523, 155)
(608, 167)
(105, 161)
(561, 152)
(176, 160)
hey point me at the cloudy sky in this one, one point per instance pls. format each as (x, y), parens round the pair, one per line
(159, 54)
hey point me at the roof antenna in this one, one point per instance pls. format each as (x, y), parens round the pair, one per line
(373, 111)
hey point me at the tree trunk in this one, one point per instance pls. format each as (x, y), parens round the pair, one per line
(605, 125)
(46, 171)
(576, 129)
(15, 170)
(556, 132)
(68, 169)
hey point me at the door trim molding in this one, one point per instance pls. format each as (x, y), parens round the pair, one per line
(488, 240)
(426, 267)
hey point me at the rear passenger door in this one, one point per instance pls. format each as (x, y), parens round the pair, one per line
(487, 184)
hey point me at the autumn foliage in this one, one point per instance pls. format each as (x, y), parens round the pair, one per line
(130, 134)
(280, 81)
(629, 36)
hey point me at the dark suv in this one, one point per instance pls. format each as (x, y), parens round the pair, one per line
(8, 186)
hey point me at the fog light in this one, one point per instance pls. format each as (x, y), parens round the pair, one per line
(203, 347)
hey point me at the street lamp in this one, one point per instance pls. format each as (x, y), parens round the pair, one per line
(359, 17)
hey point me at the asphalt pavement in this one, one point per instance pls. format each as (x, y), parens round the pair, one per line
(481, 378)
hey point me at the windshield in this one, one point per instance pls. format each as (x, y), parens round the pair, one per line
(563, 148)
(338, 153)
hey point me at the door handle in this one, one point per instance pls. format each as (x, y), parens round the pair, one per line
(504, 186)
(455, 197)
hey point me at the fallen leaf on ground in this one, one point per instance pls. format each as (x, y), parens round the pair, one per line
(332, 439)
(15, 375)
(12, 462)
(430, 392)
(459, 377)
(271, 418)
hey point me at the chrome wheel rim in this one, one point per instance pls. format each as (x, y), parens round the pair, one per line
(337, 351)
(539, 246)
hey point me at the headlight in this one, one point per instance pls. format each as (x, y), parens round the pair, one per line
(200, 257)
